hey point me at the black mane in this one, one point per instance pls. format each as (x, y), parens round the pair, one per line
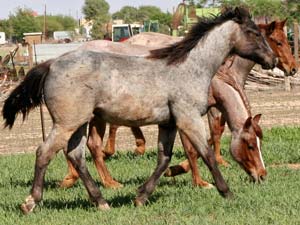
(177, 52)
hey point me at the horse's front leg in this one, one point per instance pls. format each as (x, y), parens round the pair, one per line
(76, 154)
(193, 127)
(95, 140)
(166, 138)
(139, 140)
(216, 122)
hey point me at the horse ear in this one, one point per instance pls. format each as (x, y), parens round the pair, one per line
(283, 22)
(248, 123)
(242, 14)
(271, 27)
(256, 118)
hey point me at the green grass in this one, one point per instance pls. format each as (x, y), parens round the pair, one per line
(175, 201)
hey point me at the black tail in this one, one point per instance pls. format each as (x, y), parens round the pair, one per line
(27, 95)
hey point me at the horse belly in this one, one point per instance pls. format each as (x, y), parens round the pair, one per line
(134, 113)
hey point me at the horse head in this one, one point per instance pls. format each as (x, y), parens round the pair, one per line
(275, 36)
(246, 149)
(249, 42)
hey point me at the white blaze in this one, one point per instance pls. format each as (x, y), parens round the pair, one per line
(260, 155)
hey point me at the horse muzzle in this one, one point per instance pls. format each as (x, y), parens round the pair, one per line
(270, 65)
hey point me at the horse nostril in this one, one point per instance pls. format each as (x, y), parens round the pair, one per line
(293, 71)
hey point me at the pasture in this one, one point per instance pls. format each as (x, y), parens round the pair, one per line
(175, 201)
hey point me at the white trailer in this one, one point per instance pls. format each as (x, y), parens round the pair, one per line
(2, 38)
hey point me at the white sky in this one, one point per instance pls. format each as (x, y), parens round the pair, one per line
(73, 7)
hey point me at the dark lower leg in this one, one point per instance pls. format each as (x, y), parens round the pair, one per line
(139, 140)
(76, 156)
(166, 140)
(211, 163)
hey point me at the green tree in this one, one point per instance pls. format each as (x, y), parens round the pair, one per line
(128, 13)
(23, 21)
(98, 11)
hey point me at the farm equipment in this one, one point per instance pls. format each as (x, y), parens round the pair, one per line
(186, 15)
(121, 32)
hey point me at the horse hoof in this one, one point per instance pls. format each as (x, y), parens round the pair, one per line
(204, 185)
(113, 185)
(28, 206)
(228, 195)
(222, 162)
(66, 183)
(138, 203)
(103, 207)
(168, 173)
(139, 151)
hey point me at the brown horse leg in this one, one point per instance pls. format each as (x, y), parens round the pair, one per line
(190, 163)
(192, 156)
(166, 137)
(71, 177)
(217, 126)
(56, 140)
(96, 133)
(109, 149)
(139, 140)
(76, 154)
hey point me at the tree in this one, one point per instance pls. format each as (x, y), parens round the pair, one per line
(128, 13)
(98, 11)
(22, 22)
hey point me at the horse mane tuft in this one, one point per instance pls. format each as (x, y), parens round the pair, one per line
(178, 52)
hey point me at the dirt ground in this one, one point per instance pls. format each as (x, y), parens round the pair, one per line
(278, 107)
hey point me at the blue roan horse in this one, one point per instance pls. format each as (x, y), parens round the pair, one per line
(169, 88)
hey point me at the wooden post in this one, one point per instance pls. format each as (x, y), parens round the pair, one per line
(30, 55)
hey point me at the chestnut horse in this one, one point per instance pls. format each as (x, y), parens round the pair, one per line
(135, 91)
(226, 94)
(229, 109)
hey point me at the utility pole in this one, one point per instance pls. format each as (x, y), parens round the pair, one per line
(45, 24)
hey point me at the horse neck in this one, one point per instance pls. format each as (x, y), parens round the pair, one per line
(232, 104)
(240, 69)
(210, 52)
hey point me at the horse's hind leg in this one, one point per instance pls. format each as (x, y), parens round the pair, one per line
(139, 140)
(166, 137)
(216, 123)
(56, 140)
(95, 141)
(76, 154)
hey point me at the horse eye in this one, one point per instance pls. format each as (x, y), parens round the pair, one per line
(279, 44)
(250, 147)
